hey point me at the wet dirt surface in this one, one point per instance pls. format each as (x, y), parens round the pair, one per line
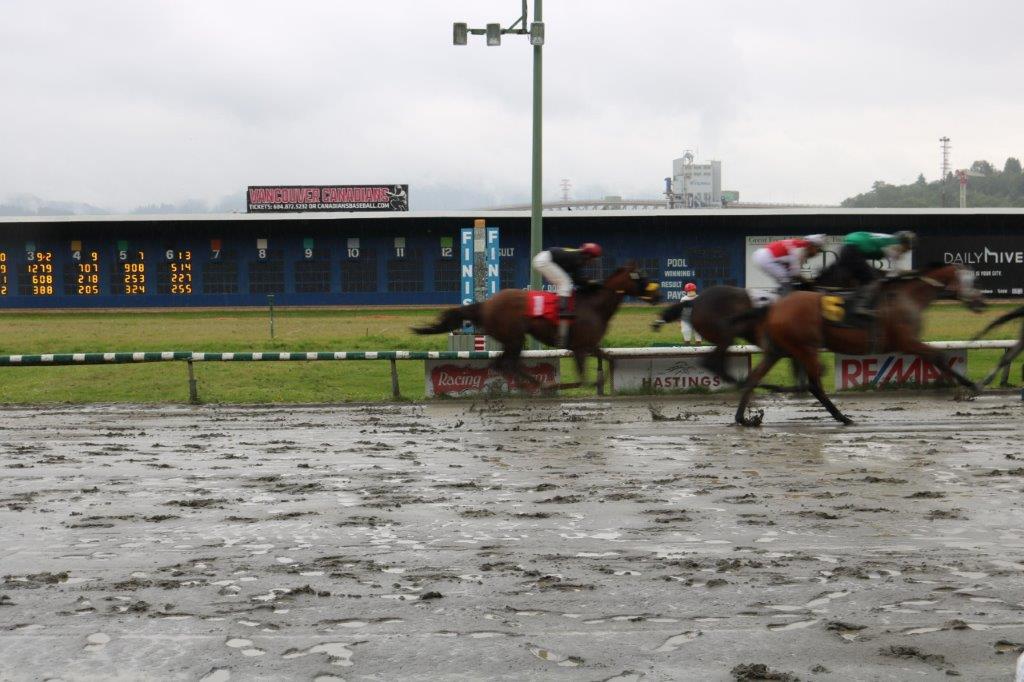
(615, 540)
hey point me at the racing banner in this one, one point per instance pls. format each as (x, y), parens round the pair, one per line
(997, 261)
(303, 198)
(461, 378)
(674, 374)
(897, 369)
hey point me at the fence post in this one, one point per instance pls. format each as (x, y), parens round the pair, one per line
(270, 302)
(395, 393)
(193, 394)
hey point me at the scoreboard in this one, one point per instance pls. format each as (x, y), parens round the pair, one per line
(172, 262)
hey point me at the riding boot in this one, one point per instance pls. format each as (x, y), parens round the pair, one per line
(864, 301)
(564, 315)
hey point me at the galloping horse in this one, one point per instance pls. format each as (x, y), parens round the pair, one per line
(718, 316)
(796, 327)
(713, 315)
(504, 317)
(1010, 354)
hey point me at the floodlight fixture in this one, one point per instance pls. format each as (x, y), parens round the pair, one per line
(460, 33)
(493, 35)
(537, 33)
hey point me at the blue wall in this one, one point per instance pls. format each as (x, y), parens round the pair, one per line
(675, 248)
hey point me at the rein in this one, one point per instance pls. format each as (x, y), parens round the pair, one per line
(931, 281)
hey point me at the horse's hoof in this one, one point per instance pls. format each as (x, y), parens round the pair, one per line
(845, 421)
(755, 418)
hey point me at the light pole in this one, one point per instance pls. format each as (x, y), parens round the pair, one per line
(460, 36)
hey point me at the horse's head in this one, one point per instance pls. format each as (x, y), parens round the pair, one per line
(629, 281)
(958, 281)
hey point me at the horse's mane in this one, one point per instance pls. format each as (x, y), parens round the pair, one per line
(594, 286)
(931, 266)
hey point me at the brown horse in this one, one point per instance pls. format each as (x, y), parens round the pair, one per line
(504, 317)
(796, 327)
(714, 315)
(1010, 354)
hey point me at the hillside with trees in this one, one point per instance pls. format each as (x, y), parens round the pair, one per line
(991, 187)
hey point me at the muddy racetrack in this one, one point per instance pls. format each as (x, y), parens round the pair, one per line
(622, 539)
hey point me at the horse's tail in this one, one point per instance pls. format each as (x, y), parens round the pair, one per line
(452, 319)
(676, 310)
(1001, 320)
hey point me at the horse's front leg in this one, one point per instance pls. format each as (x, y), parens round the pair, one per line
(938, 358)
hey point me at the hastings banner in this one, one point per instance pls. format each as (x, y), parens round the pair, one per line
(299, 198)
(997, 261)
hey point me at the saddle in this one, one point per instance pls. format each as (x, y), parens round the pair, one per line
(838, 310)
(544, 304)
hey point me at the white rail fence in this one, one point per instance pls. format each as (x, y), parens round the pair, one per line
(617, 360)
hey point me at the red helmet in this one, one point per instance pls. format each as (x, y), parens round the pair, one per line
(690, 286)
(591, 249)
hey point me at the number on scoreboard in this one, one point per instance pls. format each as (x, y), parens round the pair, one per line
(37, 276)
(174, 272)
(3, 273)
(82, 272)
(129, 277)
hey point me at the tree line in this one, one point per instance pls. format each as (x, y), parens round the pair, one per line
(991, 187)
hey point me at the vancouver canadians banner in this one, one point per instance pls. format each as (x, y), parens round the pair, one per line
(268, 199)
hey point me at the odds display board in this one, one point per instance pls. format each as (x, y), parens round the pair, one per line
(298, 198)
(854, 371)
(997, 260)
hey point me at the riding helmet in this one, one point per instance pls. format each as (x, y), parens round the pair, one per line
(591, 249)
(907, 238)
(690, 286)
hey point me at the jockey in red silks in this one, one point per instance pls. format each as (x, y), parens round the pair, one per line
(783, 259)
(562, 267)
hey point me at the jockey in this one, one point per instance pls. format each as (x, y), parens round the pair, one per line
(783, 259)
(852, 264)
(689, 335)
(562, 268)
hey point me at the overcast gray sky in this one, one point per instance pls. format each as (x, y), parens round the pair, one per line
(122, 103)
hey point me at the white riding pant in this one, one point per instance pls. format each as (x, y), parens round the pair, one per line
(689, 335)
(773, 267)
(554, 274)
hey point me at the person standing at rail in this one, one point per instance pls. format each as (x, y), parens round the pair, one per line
(852, 264)
(689, 335)
(783, 259)
(562, 268)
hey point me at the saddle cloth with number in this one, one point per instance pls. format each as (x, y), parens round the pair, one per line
(545, 304)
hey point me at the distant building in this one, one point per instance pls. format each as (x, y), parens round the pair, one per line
(696, 185)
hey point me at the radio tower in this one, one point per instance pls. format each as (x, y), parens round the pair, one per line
(566, 186)
(945, 167)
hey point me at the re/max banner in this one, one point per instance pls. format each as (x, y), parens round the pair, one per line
(997, 260)
(300, 198)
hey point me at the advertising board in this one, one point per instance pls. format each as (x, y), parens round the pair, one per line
(462, 378)
(852, 371)
(673, 374)
(756, 279)
(997, 260)
(303, 198)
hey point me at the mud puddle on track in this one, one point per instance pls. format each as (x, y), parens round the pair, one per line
(624, 539)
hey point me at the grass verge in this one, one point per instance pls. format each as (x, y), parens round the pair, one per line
(307, 330)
